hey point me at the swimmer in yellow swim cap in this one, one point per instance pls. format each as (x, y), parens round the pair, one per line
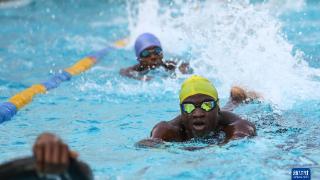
(149, 54)
(201, 116)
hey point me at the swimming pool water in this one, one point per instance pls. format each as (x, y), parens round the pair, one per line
(272, 47)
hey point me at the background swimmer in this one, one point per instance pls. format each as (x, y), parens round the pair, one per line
(150, 56)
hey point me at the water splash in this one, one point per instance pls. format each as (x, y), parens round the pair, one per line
(283, 6)
(232, 43)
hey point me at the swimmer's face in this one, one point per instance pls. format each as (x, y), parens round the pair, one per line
(151, 57)
(200, 122)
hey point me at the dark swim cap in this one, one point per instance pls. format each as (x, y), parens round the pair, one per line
(145, 41)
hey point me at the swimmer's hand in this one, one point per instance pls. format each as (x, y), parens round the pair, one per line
(52, 154)
(239, 95)
(185, 68)
(169, 65)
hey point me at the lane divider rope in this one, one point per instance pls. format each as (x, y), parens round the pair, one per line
(9, 109)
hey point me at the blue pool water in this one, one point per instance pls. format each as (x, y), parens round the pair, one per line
(271, 47)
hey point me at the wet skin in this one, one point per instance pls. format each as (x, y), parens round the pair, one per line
(153, 61)
(201, 124)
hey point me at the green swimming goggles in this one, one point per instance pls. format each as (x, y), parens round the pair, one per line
(190, 107)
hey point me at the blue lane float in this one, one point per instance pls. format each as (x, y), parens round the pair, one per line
(56, 80)
(7, 111)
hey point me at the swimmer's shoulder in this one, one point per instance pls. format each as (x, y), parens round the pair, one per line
(176, 121)
(227, 117)
(168, 130)
(235, 127)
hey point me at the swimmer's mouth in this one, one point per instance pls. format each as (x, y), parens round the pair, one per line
(199, 125)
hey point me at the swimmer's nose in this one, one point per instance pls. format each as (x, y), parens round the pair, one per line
(153, 56)
(198, 113)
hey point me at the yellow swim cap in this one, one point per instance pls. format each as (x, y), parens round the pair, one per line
(197, 85)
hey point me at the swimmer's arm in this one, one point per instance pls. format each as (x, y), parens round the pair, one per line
(184, 68)
(52, 155)
(235, 127)
(128, 72)
(131, 73)
(163, 131)
(239, 95)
